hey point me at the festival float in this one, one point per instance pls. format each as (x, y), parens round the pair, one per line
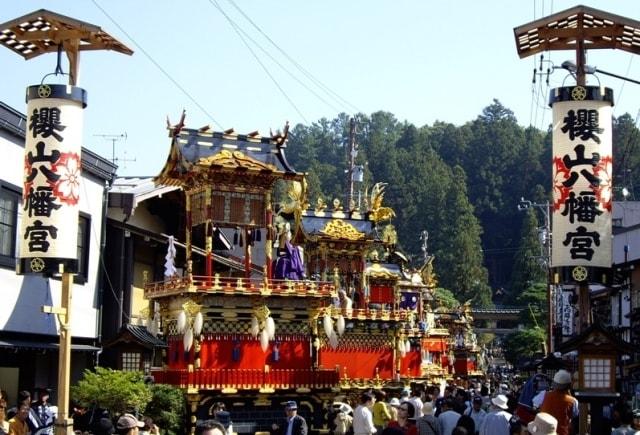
(310, 302)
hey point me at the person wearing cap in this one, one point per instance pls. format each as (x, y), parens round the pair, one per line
(560, 403)
(362, 417)
(496, 422)
(476, 412)
(543, 424)
(128, 425)
(343, 419)
(294, 424)
(394, 403)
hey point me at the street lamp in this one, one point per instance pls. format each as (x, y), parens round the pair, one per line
(544, 235)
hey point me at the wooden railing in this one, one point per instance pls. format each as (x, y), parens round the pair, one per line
(245, 379)
(239, 286)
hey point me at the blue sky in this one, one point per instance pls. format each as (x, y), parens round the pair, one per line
(421, 60)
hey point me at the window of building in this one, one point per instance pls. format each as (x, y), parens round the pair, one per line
(84, 241)
(9, 203)
(131, 361)
(597, 373)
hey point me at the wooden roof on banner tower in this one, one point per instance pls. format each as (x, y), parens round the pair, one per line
(44, 31)
(562, 31)
(200, 157)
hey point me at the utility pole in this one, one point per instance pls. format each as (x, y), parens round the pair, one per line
(352, 152)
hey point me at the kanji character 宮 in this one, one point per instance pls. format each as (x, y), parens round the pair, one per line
(38, 235)
(581, 241)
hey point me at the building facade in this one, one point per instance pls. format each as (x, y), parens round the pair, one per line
(29, 337)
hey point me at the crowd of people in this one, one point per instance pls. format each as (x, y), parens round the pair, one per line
(539, 406)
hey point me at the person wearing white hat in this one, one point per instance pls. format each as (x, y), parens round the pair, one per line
(496, 422)
(560, 403)
(543, 424)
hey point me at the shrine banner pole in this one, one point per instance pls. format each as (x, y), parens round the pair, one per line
(64, 424)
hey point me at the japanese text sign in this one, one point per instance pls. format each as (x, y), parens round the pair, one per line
(51, 191)
(582, 180)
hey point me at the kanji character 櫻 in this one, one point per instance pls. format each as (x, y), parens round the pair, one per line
(585, 124)
(46, 122)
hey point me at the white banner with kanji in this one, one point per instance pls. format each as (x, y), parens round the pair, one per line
(51, 180)
(582, 184)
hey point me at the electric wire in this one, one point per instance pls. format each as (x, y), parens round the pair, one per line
(157, 65)
(266, 53)
(310, 76)
(619, 96)
(266, 70)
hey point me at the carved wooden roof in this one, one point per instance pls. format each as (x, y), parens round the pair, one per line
(200, 156)
(43, 31)
(560, 31)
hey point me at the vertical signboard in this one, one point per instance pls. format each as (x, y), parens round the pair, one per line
(582, 176)
(51, 189)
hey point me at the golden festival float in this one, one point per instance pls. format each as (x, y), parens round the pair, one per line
(323, 305)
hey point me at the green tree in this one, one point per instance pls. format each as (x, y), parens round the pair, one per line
(525, 343)
(167, 408)
(446, 298)
(116, 390)
(527, 269)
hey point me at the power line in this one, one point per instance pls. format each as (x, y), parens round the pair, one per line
(266, 70)
(304, 85)
(310, 76)
(157, 65)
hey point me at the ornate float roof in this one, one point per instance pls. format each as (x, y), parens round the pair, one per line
(198, 155)
(336, 225)
(388, 271)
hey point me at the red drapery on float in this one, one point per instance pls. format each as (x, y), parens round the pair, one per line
(218, 351)
(359, 362)
(381, 294)
(434, 344)
(410, 364)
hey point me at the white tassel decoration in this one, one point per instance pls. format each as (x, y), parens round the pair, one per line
(264, 340)
(187, 340)
(182, 321)
(271, 327)
(340, 325)
(333, 340)
(255, 327)
(198, 323)
(328, 324)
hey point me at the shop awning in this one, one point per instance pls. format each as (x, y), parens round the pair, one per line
(26, 345)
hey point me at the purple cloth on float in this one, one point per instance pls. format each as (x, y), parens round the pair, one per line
(288, 265)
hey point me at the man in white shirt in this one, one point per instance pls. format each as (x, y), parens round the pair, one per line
(362, 416)
(417, 402)
(496, 422)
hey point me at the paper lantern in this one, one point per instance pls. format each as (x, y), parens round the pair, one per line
(401, 347)
(271, 327)
(255, 327)
(182, 321)
(264, 340)
(187, 339)
(198, 322)
(328, 324)
(340, 324)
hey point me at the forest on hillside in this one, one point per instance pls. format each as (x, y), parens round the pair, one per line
(462, 184)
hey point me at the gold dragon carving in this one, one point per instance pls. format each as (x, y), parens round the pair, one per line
(234, 160)
(342, 230)
(378, 212)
